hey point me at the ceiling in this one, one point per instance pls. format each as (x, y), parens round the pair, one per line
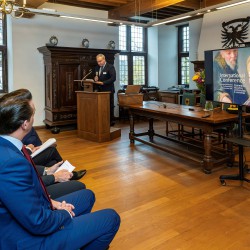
(129, 10)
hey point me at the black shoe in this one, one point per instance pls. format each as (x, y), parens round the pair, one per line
(77, 175)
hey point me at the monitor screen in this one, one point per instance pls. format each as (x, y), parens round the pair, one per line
(228, 75)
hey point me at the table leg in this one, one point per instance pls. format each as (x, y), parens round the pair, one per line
(132, 128)
(167, 128)
(231, 155)
(207, 160)
(151, 131)
(230, 150)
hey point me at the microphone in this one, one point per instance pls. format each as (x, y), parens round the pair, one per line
(96, 76)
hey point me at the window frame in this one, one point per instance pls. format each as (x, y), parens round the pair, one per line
(3, 49)
(181, 53)
(130, 54)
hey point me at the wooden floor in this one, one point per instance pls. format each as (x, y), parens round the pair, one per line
(164, 202)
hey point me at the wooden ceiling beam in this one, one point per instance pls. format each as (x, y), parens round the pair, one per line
(114, 2)
(199, 4)
(139, 7)
(192, 4)
(33, 3)
(214, 2)
(105, 2)
(29, 4)
(82, 4)
(93, 4)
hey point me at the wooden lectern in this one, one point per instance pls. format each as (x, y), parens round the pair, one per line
(88, 85)
(93, 117)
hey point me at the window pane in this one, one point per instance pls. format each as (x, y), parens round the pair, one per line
(185, 70)
(138, 70)
(1, 30)
(1, 53)
(132, 61)
(1, 70)
(123, 37)
(185, 39)
(123, 69)
(136, 38)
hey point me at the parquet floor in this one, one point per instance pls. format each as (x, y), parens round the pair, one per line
(164, 202)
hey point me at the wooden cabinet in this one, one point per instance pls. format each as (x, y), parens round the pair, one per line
(63, 65)
(169, 96)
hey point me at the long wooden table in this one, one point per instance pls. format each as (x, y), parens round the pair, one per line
(186, 116)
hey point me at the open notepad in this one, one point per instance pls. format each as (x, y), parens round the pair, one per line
(66, 165)
(45, 145)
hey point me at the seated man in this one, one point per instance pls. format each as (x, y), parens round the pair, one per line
(29, 218)
(57, 183)
(49, 156)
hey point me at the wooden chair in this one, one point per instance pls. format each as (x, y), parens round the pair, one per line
(221, 133)
(189, 99)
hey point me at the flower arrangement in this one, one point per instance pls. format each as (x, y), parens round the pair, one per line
(199, 78)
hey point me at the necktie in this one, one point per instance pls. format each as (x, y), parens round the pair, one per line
(27, 156)
(100, 70)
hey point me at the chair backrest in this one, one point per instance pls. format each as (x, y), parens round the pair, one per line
(189, 99)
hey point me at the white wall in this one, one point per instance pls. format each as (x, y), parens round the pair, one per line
(153, 51)
(212, 25)
(74, 10)
(194, 37)
(168, 61)
(168, 53)
(26, 68)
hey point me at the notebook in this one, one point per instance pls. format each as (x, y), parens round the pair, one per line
(45, 145)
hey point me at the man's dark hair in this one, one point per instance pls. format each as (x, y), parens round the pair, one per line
(19, 94)
(13, 113)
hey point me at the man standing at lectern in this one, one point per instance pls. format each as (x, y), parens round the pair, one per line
(106, 75)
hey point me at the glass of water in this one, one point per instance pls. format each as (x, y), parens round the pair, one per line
(209, 106)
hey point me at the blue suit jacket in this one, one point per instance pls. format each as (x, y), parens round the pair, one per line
(25, 213)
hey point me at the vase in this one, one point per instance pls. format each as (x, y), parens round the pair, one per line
(202, 99)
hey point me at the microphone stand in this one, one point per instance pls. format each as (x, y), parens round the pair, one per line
(90, 71)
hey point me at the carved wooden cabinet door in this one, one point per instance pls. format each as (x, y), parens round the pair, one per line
(67, 85)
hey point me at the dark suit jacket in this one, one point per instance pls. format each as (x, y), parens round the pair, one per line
(108, 77)
(24, 209)
(47, 179)
(32, 138)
